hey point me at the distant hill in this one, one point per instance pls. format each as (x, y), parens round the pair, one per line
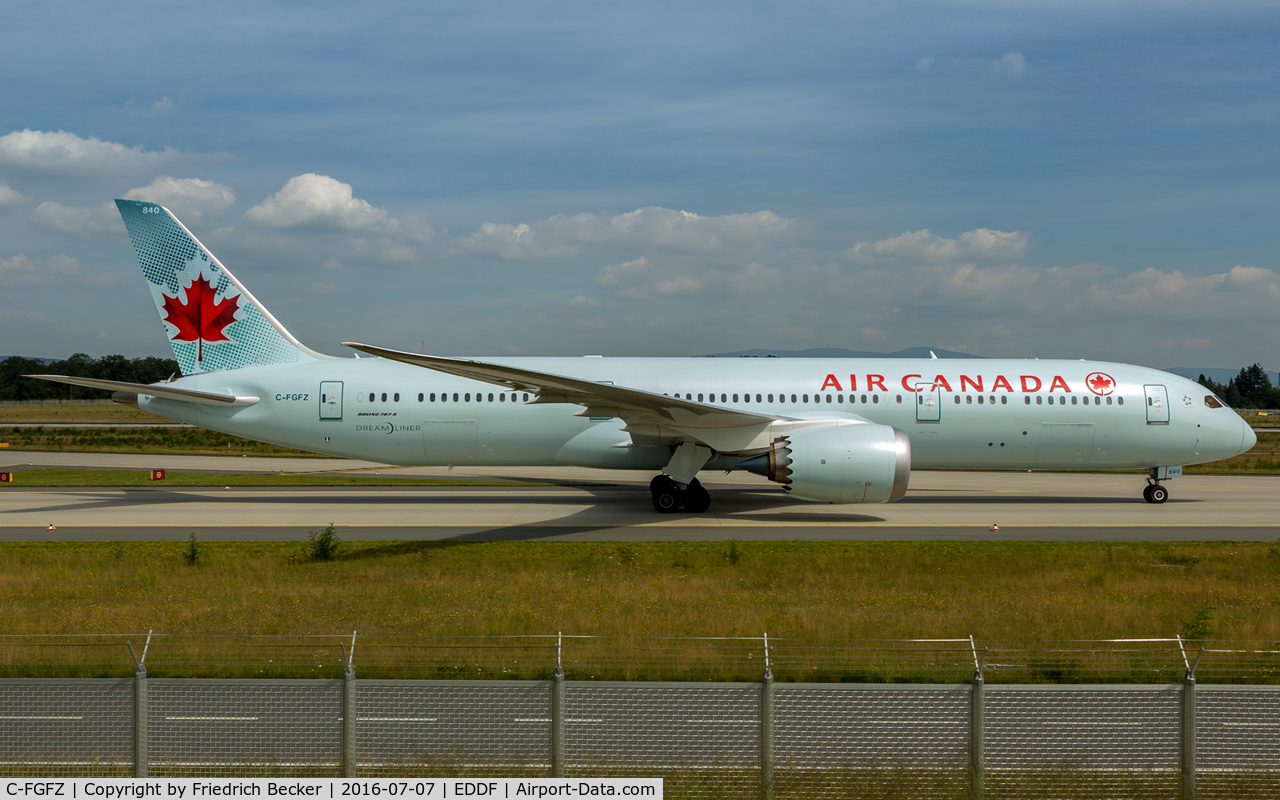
(840, 352)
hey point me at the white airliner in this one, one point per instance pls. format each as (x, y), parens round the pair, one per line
(827, 430)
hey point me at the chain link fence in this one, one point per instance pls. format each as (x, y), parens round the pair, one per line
(639, 658)
(973, 729)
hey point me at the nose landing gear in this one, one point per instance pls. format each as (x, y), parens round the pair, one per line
(1155, 493)
(668, 497)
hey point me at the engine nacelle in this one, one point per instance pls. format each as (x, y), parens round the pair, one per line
(848, 462)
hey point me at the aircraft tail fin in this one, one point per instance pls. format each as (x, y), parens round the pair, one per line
(211, 319)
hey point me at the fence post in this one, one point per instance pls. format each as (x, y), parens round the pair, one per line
(140, 709)
(977, 722)
(349, 763)
(557, 716)
(1188, 733)
(766, 726)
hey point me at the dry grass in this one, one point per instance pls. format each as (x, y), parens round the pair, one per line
(118, 477)
(68, 413)
(187, 441)
(818, 593)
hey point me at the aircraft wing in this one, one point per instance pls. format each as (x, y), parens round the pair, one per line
(168, 392)
(646, 413)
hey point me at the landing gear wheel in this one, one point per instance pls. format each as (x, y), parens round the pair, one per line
(666, 501)
(1146, 493)
(666, 494)
(1156, 494)
(661, 482)
(696, 499)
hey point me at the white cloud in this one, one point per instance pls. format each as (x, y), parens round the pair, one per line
(67, 153)
(638, 279)
(21, 316)
(189, 198)
(10, 196)
(633, 278)
(317, 201)
(925, 64)
(1224, 294)
(794, 332)
(320, 289)
(21, 270)
(1011, 64)
(980, 244)
(83, 223)
(583, 302)
(651, 227)
(156, 109)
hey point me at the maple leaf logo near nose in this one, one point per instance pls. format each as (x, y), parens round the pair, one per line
(200, 319)
(1100, 383)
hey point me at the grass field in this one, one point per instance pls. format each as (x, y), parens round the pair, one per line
(97, 477)
(193, 441)
(69, 412)
(820, 594)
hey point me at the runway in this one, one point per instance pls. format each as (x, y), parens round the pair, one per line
(614, 506)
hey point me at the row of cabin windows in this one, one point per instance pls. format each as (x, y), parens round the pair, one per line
(373, 397)
(502, 397)
(782, 398)
(1062, 400)
(875, 398)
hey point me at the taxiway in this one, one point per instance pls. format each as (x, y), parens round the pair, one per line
(614, 506)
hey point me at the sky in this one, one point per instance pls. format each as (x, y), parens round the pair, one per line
(1010, 179)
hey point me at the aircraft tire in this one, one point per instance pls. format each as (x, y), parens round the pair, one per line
(696, 499)
(1157, 494)
(663, 482)
(1146, 493)
(666, 501)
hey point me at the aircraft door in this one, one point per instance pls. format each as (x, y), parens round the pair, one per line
(1157, 404)
(928, 403)
(331, 400)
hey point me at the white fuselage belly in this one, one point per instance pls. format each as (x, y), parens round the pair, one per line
(1082, 432)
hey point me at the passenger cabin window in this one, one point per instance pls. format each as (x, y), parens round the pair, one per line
(420, 398)
(397, 397)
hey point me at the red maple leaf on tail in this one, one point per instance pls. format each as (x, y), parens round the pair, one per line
(200, 319)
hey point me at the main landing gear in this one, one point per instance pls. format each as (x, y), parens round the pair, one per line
(668, 497)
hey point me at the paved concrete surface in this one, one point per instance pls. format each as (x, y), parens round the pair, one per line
(614, 506)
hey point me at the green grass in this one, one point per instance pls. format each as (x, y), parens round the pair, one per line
(188, 441)
(818, 599)
(29, 478)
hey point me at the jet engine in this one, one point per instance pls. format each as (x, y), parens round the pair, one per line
(845, 462)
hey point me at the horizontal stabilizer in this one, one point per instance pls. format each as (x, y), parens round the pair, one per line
(167, 392)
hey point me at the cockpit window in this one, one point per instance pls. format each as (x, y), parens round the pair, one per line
(1213, 402)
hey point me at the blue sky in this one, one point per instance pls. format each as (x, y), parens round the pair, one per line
(1080, 180)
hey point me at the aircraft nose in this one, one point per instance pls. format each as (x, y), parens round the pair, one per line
(1249, 439)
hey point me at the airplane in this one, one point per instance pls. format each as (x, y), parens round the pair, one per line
(826, 430)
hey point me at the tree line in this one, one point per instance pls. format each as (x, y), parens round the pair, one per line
(1250, 389)
(112, 368)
